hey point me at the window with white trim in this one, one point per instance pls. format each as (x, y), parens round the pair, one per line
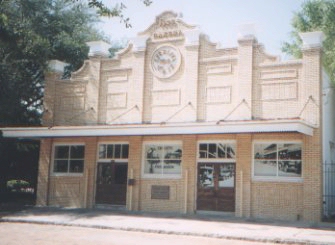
(113, 151)
(277, 160)
(218, 150)
(69, 159)
(162, 159)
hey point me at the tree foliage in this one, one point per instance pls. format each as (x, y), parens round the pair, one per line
(315, 15)
(33, 32)
(115, 10)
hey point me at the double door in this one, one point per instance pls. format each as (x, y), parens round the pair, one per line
(216, 187)
(111, 186)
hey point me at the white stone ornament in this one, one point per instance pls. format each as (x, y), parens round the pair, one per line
(165, 61)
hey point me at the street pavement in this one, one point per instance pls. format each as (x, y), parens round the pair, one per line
(202, 225)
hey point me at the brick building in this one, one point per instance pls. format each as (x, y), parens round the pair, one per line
(174, 123)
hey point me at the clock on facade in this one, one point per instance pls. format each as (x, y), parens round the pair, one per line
(165, 61)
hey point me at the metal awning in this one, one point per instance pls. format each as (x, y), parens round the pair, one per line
(226, 127)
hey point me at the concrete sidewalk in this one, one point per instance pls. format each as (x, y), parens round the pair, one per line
(194, 225)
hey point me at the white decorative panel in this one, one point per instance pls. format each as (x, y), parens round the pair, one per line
(117, 101)
(79, 89)
(118, 78)
(279, 91)
(79, 103)
(66, 102)
(72, 103)
(227, 68)
(165, 97)
(282, 74)
(218, 95)
(70, 90)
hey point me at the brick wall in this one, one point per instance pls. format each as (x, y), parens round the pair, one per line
(69, 191)
(277, 200)
(254, 198)
(211, 84)
(43, 172)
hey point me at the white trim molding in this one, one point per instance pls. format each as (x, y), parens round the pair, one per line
(221, 127)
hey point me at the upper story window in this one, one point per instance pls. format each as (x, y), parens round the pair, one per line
(217, 150)
(277, 160)
(69, 158)
(113, 151)
(162, 160)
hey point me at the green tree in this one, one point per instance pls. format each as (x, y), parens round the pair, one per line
(115, 10)
(315, 15)
(32, 32)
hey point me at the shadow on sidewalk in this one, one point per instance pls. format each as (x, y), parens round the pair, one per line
(13, 202)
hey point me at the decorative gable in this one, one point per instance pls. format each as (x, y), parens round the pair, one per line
(167, 27)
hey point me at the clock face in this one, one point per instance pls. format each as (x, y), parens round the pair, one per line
(165, 61)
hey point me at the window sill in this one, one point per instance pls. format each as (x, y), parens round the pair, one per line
(67, 174)
(161, 176)
(278, 179)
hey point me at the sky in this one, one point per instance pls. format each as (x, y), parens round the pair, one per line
(218, 19)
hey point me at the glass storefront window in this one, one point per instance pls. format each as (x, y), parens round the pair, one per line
(277, 159)
(162, 159)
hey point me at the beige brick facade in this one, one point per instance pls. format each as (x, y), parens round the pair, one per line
(191, 92)
(274, 199)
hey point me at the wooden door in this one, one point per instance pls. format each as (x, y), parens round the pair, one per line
(111, 187)
(216, 187)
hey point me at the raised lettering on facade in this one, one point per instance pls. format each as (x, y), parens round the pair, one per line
(167, 29)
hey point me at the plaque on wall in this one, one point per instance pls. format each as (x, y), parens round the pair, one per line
(160, 192)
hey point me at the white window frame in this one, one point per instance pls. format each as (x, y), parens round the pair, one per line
(213, 161)
(125, 160)
(209, 160)
(276, 178)
(161, 175)
(53, 173)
